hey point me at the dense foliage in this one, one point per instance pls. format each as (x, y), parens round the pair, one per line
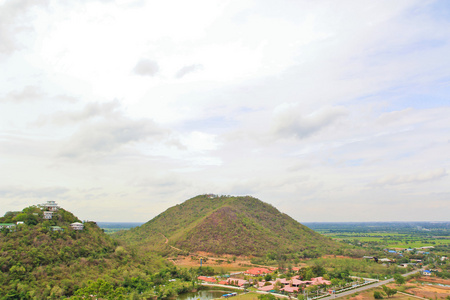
(227, 225)
(41, 263)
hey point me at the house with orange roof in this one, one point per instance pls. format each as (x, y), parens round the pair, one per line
(257, 271)
(320, 280)
(207, 279)
(289, 289)
(236, 281)
(266, 288)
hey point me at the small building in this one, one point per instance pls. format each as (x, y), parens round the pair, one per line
(77, 226)
(20, 222)
(48, 215)
(207, 279)
(289, 289)
(237, 281)
(7, 225)
(257, 271)
(426, 273)
(56, 228)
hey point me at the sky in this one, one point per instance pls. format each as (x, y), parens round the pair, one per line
(332, 111)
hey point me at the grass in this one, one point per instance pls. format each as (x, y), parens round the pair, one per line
(250, 296)
(368, 294)
(390, 239)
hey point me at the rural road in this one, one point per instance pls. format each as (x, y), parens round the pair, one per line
(366, 287)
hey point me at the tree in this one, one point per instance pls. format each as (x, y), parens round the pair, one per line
(268, 277)
(267, 297)
(377, 295)
(399, 279)
(389, 292)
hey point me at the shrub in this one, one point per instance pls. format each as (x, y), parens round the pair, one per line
(377, 295)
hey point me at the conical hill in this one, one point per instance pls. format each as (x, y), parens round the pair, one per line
(227, 225)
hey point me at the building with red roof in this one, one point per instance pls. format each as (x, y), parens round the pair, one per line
(207, 279)
(236, 281)
(289, 289)
(257, 271)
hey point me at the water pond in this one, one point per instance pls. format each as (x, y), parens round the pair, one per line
(203, 295)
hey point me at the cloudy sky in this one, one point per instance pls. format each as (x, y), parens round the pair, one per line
(329, 110)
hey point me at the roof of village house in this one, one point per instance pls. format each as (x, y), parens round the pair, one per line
(257, 271)
(297, 281)
(266, 288)
(320, 280)
(240, 282)
(207, 279)
(289, 289)
(283, 280)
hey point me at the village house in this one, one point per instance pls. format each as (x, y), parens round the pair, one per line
(236, 281)
(56, 228)
(7, 225)
(207, 279)
(48, 215)
(257, 272)
(77, 226)
(292, 285)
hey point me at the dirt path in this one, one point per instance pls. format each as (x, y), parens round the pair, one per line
(167, 241)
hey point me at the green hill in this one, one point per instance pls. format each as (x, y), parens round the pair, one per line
(47, 259)
(227, 225)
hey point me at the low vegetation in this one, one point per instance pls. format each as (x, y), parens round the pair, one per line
(227, 225)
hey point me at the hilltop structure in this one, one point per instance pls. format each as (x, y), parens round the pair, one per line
(49, 209)
(51, 205)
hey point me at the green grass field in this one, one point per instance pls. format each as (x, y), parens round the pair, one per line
(250, 296)
(391, 239)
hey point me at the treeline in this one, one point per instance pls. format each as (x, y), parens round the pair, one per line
(167, 283)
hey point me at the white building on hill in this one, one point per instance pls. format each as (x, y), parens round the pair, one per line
(50, 205)
(48, 215)
(77, 226)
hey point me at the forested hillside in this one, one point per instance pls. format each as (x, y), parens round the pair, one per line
(41, 261)
(228, 225)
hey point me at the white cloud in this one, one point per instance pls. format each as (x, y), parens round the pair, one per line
(28, 93)
(188, 69)
(290, 122)
(146, 67)
(411, 178)
(108, 135)
(312, 106)
(13, 192)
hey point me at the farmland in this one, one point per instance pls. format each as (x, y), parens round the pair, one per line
(388, 235)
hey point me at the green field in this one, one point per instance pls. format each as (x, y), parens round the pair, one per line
(389, 235)
(392, 240)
